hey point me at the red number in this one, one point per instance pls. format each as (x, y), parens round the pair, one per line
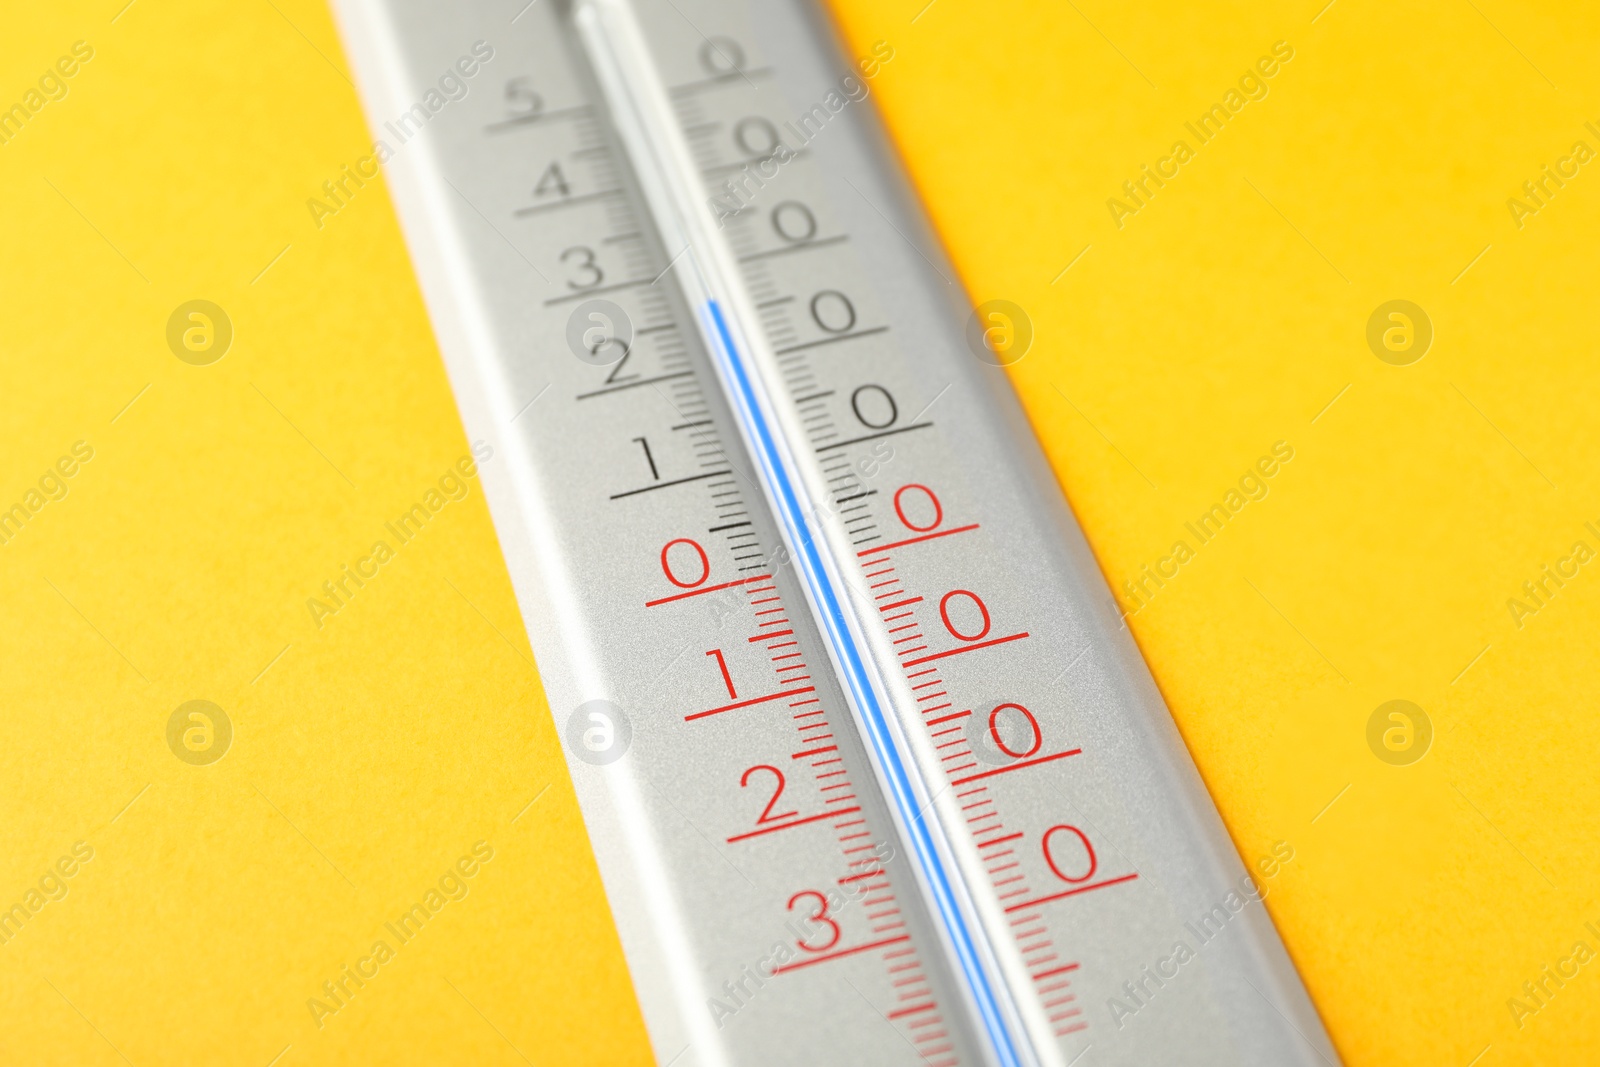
(727, 679)
(818, 916)
(944, 613)
(766, 812)
(899, 508)
(1000, 742)
(1088, 851)
(666, 565)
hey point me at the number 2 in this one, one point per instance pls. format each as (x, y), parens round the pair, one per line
(766, 812)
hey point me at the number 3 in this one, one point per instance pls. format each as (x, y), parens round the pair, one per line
(818, 916)
(586, 265)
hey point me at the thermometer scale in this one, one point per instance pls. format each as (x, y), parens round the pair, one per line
(872, 771)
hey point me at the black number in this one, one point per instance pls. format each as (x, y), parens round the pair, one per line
(756, 137)
(648, 458)
(794, 222)
(868, 393)
(552, 181)
(586, 266)
(721, 56)
(840, 306)
(521, 100)
(616, 376)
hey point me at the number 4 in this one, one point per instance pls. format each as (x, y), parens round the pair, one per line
(552, 181)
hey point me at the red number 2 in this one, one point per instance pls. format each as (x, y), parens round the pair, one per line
(766, 812)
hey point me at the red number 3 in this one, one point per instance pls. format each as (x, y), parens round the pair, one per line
(818, 916)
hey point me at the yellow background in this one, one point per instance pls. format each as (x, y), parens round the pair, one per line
(1224, 316)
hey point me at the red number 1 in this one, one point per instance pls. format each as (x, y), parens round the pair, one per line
(727, 679)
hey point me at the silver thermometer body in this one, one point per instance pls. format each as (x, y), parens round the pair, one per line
(768, 902)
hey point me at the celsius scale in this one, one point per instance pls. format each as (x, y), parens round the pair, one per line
(873, 772)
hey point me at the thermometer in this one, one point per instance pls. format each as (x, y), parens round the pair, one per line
(872, 769)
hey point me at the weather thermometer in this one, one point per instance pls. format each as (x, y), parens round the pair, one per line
(872, 770)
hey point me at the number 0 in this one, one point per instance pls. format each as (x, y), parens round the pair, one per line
(666, 563)
(1000, 742)
(1088, 851)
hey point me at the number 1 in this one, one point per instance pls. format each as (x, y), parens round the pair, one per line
(727, 679)
(648, 458)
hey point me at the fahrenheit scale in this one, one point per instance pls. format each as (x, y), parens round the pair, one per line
(872, 771)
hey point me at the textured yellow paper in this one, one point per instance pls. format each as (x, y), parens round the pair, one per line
(1226, 314)
(369, 755)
